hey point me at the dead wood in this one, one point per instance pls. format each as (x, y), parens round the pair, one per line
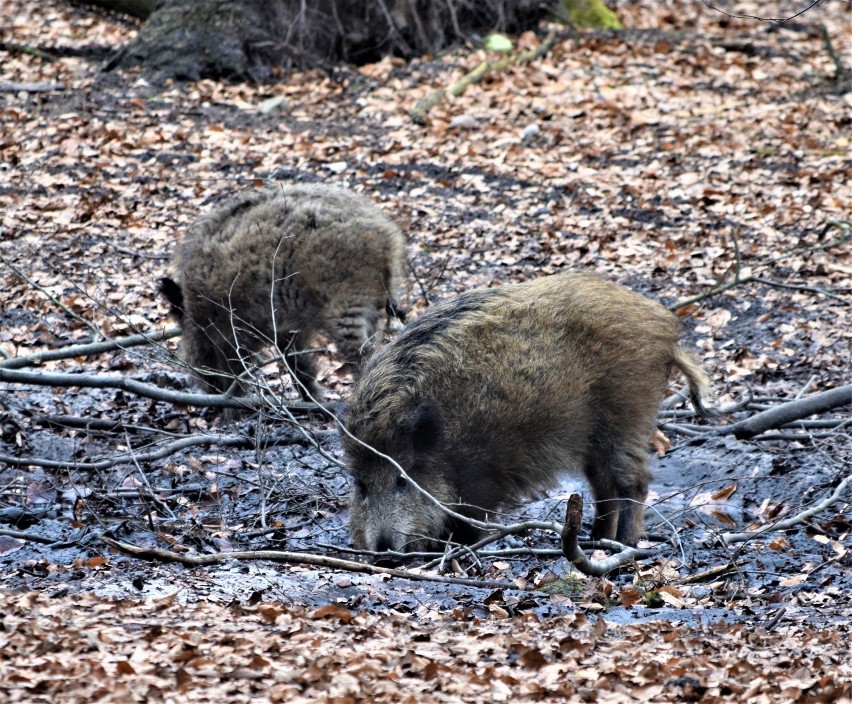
(784, 524)
(40, 53)
(298, 558)
(571, 529)
(163, 452)
(90, 349)
(20, 514)
(740, 280)
(135, 8)
(789, 412)
(140, 388)
(436, 558)
(789, 415)
(708, 574)
(7, 87)
(776, 618)
(572, 551)
(87, 424)
(842, 73)
(47, 294)
(23, 535)
(737, 15)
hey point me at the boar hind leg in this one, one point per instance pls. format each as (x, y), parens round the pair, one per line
(354, 332)
(632, 489)
(606, 512)
(619, 483)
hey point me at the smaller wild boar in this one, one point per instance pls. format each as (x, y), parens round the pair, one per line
(489, 396)
(276, 266)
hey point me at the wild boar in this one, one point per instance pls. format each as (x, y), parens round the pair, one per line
(490, 396)
(276, 266)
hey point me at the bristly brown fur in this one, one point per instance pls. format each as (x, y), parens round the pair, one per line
(277, 266)
(491, 395)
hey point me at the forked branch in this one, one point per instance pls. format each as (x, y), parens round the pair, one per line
(574, 553)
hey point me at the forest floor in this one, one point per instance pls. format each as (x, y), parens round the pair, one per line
(692, 150)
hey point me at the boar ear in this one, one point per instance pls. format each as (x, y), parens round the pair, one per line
(173, 293)
(426, 425)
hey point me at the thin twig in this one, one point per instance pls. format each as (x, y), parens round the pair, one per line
(842, 73)
(59, 304)
(485, 68)
(796, 287)
(151, 496)
(574, 553)
(842, 225)
(419, 283)
(762, 19)
(708, 574)
(776, 618)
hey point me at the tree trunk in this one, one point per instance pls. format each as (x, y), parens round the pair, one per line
(254, 39)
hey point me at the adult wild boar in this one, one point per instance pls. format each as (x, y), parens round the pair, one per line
(277, 266)
(491, 395)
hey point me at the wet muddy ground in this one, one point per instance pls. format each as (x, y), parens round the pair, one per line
(660, 164)
(290, 497)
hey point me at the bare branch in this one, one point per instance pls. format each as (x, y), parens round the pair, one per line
(23, 535)
(7, 87)
(789, 412)
(152, 391)
(763, 19)
(59, 304)
(708, 574)
(798, 287)
(799, 518)
(572, 551)
(841, 225)
(90, 349)
(481, 525)
(158, 454)
(485, 68)
(300, 558)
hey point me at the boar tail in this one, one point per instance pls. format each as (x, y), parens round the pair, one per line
(696, 378)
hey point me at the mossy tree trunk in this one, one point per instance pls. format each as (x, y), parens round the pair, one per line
(254, 39)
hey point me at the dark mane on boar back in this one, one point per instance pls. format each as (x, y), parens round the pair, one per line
(490, 396)
(278, 266)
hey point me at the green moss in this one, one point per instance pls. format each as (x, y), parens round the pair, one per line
(591, 13)
(569, 586)
(652, 599)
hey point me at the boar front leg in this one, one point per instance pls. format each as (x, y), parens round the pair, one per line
(301, 366)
